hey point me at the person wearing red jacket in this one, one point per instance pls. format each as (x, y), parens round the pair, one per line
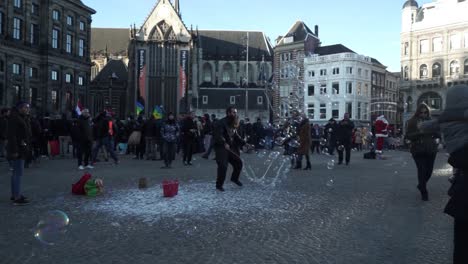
(381, 125)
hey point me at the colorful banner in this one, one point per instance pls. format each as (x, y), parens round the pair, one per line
(158, 112)
(183, 70)
(142, 76)
(139, 108)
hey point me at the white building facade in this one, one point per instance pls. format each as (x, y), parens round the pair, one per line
(434, 52)
(337, 81)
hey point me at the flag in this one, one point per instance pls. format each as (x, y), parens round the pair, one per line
(78, 108)
(158, 113)
(139, 108)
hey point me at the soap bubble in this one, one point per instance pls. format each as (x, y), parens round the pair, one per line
(341, 147)
(323, 142)
(330, 183)
(280, 141)
(274, 155)
(294, 144)
(262, 142)
(52, 227)
(331, 165)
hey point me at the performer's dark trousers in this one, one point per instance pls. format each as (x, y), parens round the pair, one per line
(460, 254)
(223, 158)
(347, 149)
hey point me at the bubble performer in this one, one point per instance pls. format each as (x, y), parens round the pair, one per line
(227, 144)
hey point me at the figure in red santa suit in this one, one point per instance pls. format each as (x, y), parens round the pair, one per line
(381, 125)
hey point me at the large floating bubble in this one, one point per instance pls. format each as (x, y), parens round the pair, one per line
(331, 164)
(52, 227)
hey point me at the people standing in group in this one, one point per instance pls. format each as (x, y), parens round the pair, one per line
(105, 131)
(18, 148)
(46, 135)
(227, 144)
(3, 130)
(358, 139)
(344, 139)
(84, 139)
(258, 133)
(316, 135)
(423, 147)
(208, 135)
(331, 129)
(305, 142)
(169, 133)
(189, 133)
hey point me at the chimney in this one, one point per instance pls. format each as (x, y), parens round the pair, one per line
(316, 30)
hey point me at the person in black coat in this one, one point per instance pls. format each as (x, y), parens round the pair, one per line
(18, 148)
(189, 133)
(62, 130)
(330, 133)
(316, 135)
(227, 144)
(3, 130)
(345, 139)
(84, 140)
(104, 136)
(149, 131)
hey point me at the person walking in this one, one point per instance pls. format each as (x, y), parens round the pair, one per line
(316, 135)
(3, 130)
(149, 131)
(330, 132)
(344, 139)
(423, 147)
(304, 139)
(62, 129)
(358, 139)
(84, 140)
(104, 133)
(170, 134)
(227, 144)
(18, 148)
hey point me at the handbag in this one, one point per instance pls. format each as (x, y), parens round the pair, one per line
(135, 138)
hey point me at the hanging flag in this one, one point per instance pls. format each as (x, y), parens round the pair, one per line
(78, 108)
(142, 74)
(158, 112)
(139, 108)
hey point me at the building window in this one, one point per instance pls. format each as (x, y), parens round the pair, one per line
(16, 69)
(80, 81)
(406, 73)
(34, 9)
(423, 72)
(359, 110)
(311, 111)
(55, 15)
(424, 46)
(259, 100)
(436, 70)
(68, 78)
(232, 100)
(207, 71)
(34, 34)
(323, 111)
(336, 110)
(336, 71)
(359, 88)
(366, 89)
(349, 87)
(70, 20)
(33, 73)
(54, 75)
(227, 73)
(311, 90)
(69, 43)
(2, 22)
(359, 72)
(437, 44)
(17, 3)
(465, 67)
(17, 28)
(455, 42)
(55, 38)
(349, 109)
(204, 99)
(323, 72)
(54, 97)
(17, 90)
(349, 70)
(81, 50)
(311, 73)
(82, 26)
(336, 88)
(454, 68)
(323, 89)
(406, 48)
(432, 99)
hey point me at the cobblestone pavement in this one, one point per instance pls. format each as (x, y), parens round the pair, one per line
(369, 212)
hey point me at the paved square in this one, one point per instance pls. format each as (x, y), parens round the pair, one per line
(369, 212)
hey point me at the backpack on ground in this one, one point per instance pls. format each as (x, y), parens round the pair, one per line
(78, 188)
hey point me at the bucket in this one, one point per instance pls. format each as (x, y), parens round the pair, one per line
(170, 188)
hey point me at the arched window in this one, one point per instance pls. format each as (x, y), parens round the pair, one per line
(432, 99)
(69, 101)
(406, 73)
(436, 70)
(454, 67)
(228, 73)
(252, 76)
(423, 71)
(409, 103)
(465, 68)
(207, 73)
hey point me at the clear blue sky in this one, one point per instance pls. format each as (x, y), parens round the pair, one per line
(369, 27)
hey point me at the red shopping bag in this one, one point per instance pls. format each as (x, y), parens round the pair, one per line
(54, 148)
(170, 188)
